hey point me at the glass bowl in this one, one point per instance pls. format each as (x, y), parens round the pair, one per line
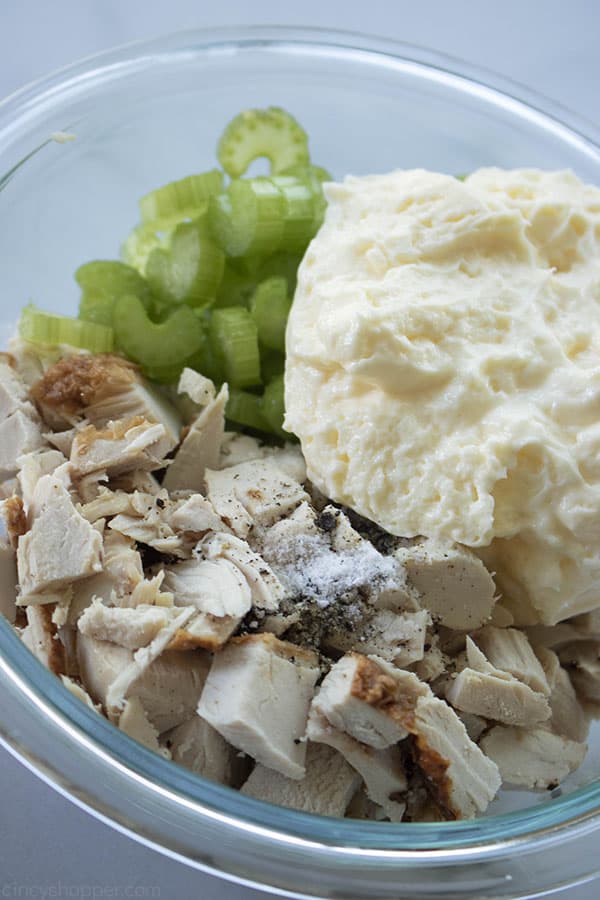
(150, 113)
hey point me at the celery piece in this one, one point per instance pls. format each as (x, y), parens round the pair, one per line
(156, 345)
(141, 241)
(283, 264)
(180, 199)
(234, 341)
(272, 406)
(102, 282)
(253, 133)
(45, 328)
(236, 287)
(300, 213)
(248, 220)
(190, 271)
(313, 176)
(270, 307)
(244, 408)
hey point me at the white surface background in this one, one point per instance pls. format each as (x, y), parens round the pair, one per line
(549, 45)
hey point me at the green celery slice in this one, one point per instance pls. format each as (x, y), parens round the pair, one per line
(156, 345)
(248, 220)
(141, 241)
(102, 282)
(300, 215)
(273, 407)
(234, 340)
(45, 328)
(190, 271)
(314, 176)
(236, 287)
(282, 264)
(244, 408)
(253, 133)
(270, 307)
(180, 199)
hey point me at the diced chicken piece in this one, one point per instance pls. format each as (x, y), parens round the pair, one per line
(200, 447)
(196, 745)
(503, 700)
(199, 389)
(463, 779)
(381, 770)
(195, 516)
(501, 617)
(453, 583)
(106, 505)
(40, 636)
(532, 758)
(60, 547)
(218, 590)
(132, 628)
(508, 649)
(326, 789)
(396, 637)
(13, 392)
(148, 523)
(434, 663)
(124, 445)
(19, 434)
(61, 440)
(148, 592)
(99, 665)
(145, 660)
(134, 722)
(253, 493)
(358, 698)
(32, 466)
(555, 636)
(136, 482)
(568, 716)
(583, 663)
(266, 589)
(278, 623)
(78, 691)
(116, 583)
(8, 582)
(257, 696)
(240, 448)
(101, 388)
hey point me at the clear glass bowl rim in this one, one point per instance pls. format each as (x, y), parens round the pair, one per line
(406, 844)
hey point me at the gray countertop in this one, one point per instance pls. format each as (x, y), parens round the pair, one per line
(48, 847)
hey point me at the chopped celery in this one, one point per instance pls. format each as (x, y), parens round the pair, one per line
(44, 328)
(249, 218)
(190, 271)
(282, 264)
(270, 307)
(244, 408)
(271, 132)
(234, 342)
(140, 243)
(236, 287)
(300, 212)
(181, 199)
(272, 406)
(102, 282)
(156, 345)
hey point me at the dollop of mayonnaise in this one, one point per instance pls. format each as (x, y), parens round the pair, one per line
(443, 370)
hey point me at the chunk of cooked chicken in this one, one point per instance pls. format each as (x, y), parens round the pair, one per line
(257, 696)
(568, 716)
(32, 467)
(217, 590)
(196, 745)
(358, 697)
(532, 758)
(40, 636)
(255, 493)
(78, 691)
(8, 581)
(125, 445)
(452, 582)
(60, 547)
(326, 789)
(200, 447)
(582, 661)
(240, 448)
(504, 700)
(508, 649)
(101, 388)
(266, 589)
(128, 627)
(19, 422)
(122, 573)
(198, 388)
(135, 723)
(195, 516)
(381, 770)
(396, 637)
